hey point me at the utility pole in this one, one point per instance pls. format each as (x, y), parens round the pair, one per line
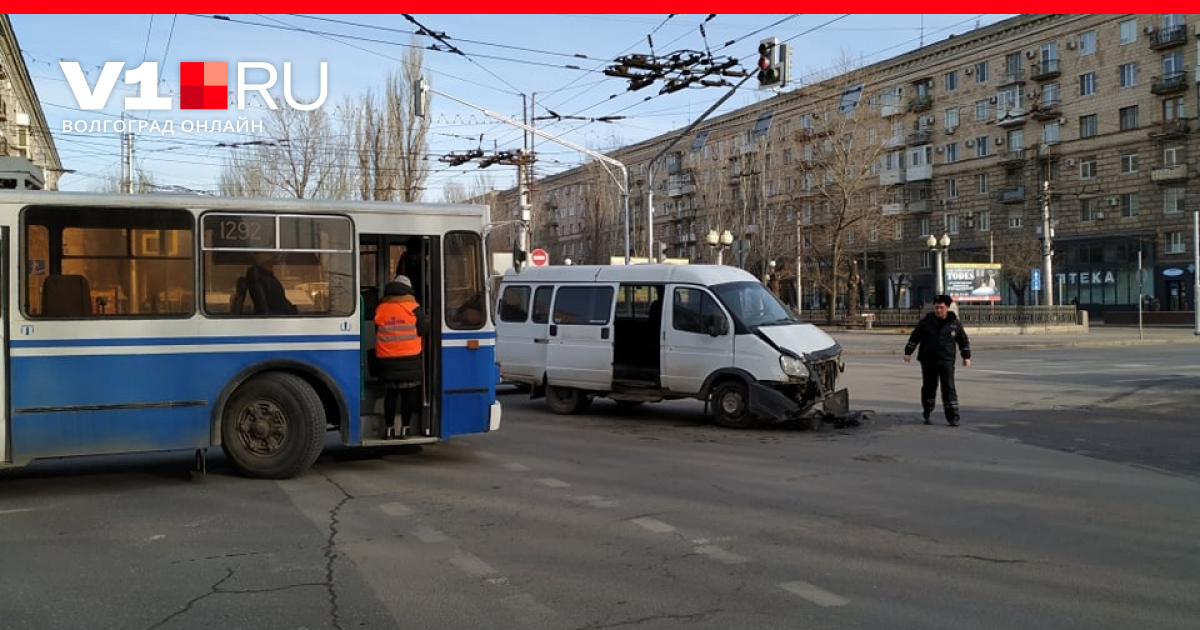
(1047, 248)
(1196, 270)
(127, 163)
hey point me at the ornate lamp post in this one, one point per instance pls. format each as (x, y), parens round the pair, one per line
(940, 247)
(720, 242)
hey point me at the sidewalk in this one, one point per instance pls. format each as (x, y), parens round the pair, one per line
(1098, 336)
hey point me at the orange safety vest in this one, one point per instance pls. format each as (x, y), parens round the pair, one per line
(396, 328)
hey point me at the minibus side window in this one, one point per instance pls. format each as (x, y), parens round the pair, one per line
(541, 304)
(588, 306)
(514, 304)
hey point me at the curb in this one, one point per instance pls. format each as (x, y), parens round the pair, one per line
(1032, 346)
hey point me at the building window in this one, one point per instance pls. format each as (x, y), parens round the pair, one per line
(983, 146)
(1177, 244)
(787, 156)
(1129, 118)
(951, 80)
(951, 188)
(1172, 156)
(952, 223)
(981, 183)
(1129, 32)
(981, 72)
(1172, 63)
(1172, 109)
(1173, 200)
(926, 259)
(1087, 84)
(983, 109)
(1129, 162)
(762, 126)
(1087, 43)
(1089, 209)
(951, 150)
(1087, 168)
(1014, 223)
(1050, 94)
(898, 230)
(984, 222)
(1050, 133)
(1129, 204)
(1128, 73)
(951, 118)
(924, 226)
(850, 97)
(1088, 126)
(1016, 140)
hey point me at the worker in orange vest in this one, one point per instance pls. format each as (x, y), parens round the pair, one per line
(399, 325)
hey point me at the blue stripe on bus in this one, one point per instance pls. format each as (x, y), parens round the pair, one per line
(481, 334)
(179, 341)
(129, 384)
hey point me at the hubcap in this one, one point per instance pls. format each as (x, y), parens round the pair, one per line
(731, 403)
(262, 427)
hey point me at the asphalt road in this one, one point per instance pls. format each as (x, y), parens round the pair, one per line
(1064, 501)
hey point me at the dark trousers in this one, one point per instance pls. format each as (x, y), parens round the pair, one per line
(932, 373)
(410, 403)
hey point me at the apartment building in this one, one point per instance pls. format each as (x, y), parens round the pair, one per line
(1089, 119)
(28, 157)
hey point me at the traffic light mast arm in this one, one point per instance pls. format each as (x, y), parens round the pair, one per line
(622, 182)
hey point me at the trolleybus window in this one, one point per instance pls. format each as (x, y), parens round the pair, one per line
(466, 300)
(267, 265)
(107, 262)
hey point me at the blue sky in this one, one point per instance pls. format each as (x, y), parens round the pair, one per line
(506, 56)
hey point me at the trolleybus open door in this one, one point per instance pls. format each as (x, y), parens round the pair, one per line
(5, 415)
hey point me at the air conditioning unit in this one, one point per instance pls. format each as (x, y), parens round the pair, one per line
(970, 143)
(1112, 201)
(1071, 162)
(1029, 54)
(1071, 44)
(927, 120)
(1149, 30)
(1061, 120)
(969, 71)
(999, 141)
(940, 148)
(951, 130)
(1099, 215)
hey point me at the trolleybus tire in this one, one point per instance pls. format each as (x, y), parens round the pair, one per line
(273, 426)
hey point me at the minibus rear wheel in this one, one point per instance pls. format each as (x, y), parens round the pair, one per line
(566, 400)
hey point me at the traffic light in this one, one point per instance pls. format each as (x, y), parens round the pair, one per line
(772, 64)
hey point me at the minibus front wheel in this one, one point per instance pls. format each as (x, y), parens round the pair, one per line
(731, 404)
(566, 400)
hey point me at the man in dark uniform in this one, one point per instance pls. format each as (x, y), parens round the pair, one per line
(941, 336)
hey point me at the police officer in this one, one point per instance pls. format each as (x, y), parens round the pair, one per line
(399, 325)
(941, 336)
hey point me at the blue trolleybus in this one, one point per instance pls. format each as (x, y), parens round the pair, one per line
(136, 323)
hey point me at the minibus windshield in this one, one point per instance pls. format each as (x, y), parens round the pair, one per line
(752, 305)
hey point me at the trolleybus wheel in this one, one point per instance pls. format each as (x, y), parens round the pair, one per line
(273, 426)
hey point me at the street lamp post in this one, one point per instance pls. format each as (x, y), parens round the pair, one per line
(940, 248)
(720, 243)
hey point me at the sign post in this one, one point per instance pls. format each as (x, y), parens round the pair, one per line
(1035, 280)
(539, 258)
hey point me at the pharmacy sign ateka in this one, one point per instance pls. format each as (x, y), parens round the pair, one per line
(203, 85)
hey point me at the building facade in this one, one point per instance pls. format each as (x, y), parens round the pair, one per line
(24, 134)
(1085, 123)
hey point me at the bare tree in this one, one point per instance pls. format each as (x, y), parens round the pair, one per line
(143, 183)
(298, 158)
(600, 217)
(1018, 252)
(838, 189)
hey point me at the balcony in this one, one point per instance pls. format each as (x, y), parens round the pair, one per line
(1169, 83)
(921, 206)
(917, 138)
(1047, 110)
(1010, 195)
(894, 142)
(1012, 77)
(890, 109)
(919, 173)
(1011, 116)
(891, 177)
(1163, 38)
(1015, 157)
(1170, 129)
(1164, 174)
(892, 209)
(921, 103)
(1044, 71)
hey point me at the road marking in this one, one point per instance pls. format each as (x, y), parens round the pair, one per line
(395, 508)
(551, 482)
(431, 535)
(721, 555)
(524, 605)
(16, 511)
(814, 594)
(595, 500)
(653, 524)
(515, 467)
(471, 564)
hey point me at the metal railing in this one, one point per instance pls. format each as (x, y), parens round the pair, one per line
(970, 315)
